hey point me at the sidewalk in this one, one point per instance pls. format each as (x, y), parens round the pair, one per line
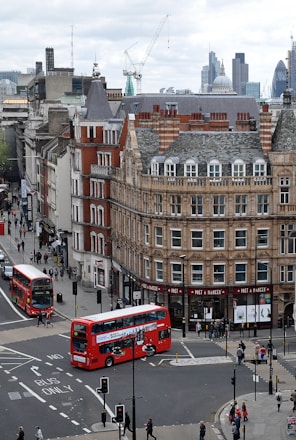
(264, 420)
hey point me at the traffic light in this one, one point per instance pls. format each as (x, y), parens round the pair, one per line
(119, 413)
(104, 385)
(233, 381)
(74, 288)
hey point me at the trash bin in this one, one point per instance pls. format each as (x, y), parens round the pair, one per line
(59, 297)
(280, 322)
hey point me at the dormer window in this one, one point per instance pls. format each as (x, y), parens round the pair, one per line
(259, 168)
(214, 169)
(170, 166)
(238, 169)
(154, 168)
(190, 168)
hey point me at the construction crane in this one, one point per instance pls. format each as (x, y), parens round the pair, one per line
(137, 72)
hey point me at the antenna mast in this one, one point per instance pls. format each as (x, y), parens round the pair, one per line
(72, 37)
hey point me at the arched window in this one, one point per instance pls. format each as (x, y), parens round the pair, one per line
(93, 242)
(101, 244)
(93, 217)
(170, 166)
(100, 215)
(190, 168)
(214, 169)
(154, 167)
(259, 168)
(238, 168)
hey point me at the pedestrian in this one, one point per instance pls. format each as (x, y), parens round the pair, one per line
(45, 257)
(245, 411)
(23, 245)
(70, 272)
(18, 246)
(40, 319)
(48, 319)
(293, 399)
(38, 257)
(45, 271)
(234, 431)
(239, 354)
(149, 429)
(56, 274)
(198, 328)
(279, 399)
(21, 434)
(38, 435)
(262, 352)
(21, 232)
(24, 232)
(269, 347)
(127, 423)
(31, 257)
(243, 345)
(202, 430)
(257, 350)
(50, 272)
(241, 329)
(237, 421)
(62, 273)
(232, 411)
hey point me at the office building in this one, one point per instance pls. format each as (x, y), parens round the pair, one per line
(279, 80)
(240, 73)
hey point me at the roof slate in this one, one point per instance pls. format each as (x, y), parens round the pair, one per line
(98, 107)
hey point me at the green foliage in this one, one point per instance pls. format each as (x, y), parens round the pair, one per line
(5, 164)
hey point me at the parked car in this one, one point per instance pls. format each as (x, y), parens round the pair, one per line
(7, 272)
(2, 257)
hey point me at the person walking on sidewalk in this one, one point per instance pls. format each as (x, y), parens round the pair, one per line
(40, 319)
(198, 328)
(31, 257)
(149, 429)
(293, 399)
(202, 430)
(244, 411)
(48, 319)
(23, 246)
(279, 399)
(127, 423)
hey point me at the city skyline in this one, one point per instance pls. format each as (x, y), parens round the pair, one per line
(82, 33)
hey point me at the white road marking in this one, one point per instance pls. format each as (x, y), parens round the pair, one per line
(8, 300)
(32, 392)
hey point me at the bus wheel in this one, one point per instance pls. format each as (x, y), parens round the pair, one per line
(109, 361)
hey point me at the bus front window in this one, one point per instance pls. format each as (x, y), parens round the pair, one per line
(42, 299)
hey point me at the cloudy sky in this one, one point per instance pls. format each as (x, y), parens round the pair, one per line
(104, 29)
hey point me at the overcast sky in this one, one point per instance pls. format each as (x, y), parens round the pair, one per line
(104, 29)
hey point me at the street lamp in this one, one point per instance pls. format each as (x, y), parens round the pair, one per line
(270, 384)
(149, 350)
(183, 296)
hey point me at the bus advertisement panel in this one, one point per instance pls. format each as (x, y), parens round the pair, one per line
(31, 289)
(96, 339)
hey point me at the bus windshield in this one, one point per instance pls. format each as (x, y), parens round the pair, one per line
(42, 299)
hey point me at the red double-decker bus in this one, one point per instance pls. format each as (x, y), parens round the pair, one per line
(96, 339)
(31, 289)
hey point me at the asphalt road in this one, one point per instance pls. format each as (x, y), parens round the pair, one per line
(38, 386)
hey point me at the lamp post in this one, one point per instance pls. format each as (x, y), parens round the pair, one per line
(270, 384)
(183, 296)
(149, 350)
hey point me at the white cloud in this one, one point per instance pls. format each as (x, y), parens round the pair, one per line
(103, 30)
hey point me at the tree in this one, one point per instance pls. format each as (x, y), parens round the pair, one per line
(5, 164)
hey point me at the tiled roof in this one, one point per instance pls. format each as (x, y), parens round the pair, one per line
(284, 137)
(188, 104)
(97, 104)
(202, 147)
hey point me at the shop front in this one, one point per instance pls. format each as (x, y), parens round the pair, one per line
(252, 306)
(206, 305)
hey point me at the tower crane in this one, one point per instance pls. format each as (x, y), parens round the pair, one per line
(137, 72)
